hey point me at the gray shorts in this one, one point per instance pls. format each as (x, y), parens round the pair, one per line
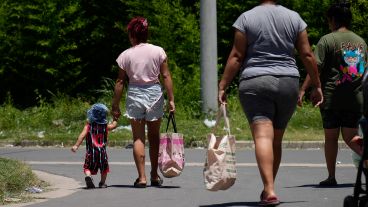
(269, 97)
(144, 102)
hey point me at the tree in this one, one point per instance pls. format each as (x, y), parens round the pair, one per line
(68, 46)
(56, 46)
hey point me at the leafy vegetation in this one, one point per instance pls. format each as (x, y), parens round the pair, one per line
(58, 58)
(60, 122)
(70, 46)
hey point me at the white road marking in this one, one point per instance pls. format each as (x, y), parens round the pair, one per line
(192, 164)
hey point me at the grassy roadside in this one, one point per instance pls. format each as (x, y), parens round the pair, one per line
(15, 177)
(62, 121)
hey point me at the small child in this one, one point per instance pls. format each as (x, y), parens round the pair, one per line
(95, 132)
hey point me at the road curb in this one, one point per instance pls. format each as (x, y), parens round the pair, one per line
(195, 144)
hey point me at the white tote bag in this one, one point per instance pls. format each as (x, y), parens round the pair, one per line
(220, 166)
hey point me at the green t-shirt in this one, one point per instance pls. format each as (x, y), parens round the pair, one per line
(342, 60)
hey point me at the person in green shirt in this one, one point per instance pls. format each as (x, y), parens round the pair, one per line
(341, 58)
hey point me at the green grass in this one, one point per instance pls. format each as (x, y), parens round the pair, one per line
(15, 177)
(62, 120)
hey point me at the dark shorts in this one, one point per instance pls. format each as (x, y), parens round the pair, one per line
(269, 97)
(333, 119)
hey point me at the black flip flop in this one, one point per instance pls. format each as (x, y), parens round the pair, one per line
(137, 184)
(157, 183)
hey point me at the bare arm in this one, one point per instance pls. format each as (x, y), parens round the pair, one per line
(302, 89)
(80, 139)
(233, 64)
(310, 64)
(118, 91)
(168, 84)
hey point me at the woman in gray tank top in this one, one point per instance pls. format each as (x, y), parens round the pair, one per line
(263, 53)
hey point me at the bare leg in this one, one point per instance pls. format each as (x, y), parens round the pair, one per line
(138, 127)
(87, 173)
(103, 178)
(154, 142)
(277, 150)
(331, 147)
(348, 134)
(263, 136)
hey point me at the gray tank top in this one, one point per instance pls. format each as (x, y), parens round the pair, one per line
(271, 32)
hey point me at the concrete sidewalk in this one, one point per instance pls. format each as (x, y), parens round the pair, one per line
(60, 186)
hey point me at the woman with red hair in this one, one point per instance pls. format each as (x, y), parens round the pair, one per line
(141, 67)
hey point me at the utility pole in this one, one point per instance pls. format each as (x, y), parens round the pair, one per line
(209, 82)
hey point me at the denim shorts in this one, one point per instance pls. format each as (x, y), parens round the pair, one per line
(269, 98)
(333, 119)
(144, 102)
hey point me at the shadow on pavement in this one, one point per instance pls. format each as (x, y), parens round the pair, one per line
(344, 185)
(168, 187)
(232, 204)
(121, 186)
(96, 188)
(242, 204)
(131, 186)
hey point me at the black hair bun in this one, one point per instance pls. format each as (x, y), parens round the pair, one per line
(344, 4)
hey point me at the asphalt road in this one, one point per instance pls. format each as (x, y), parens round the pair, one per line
(296, 184)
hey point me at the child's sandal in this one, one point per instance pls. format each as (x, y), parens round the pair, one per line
(102, 185)
(89, 182)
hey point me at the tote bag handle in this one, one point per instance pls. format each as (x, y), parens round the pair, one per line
(172, 119)
(222, 113)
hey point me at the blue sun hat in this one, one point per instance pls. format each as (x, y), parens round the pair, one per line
(97, 113)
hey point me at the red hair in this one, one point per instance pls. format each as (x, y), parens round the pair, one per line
(138, 29)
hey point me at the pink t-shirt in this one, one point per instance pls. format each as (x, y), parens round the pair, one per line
(142, 63)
